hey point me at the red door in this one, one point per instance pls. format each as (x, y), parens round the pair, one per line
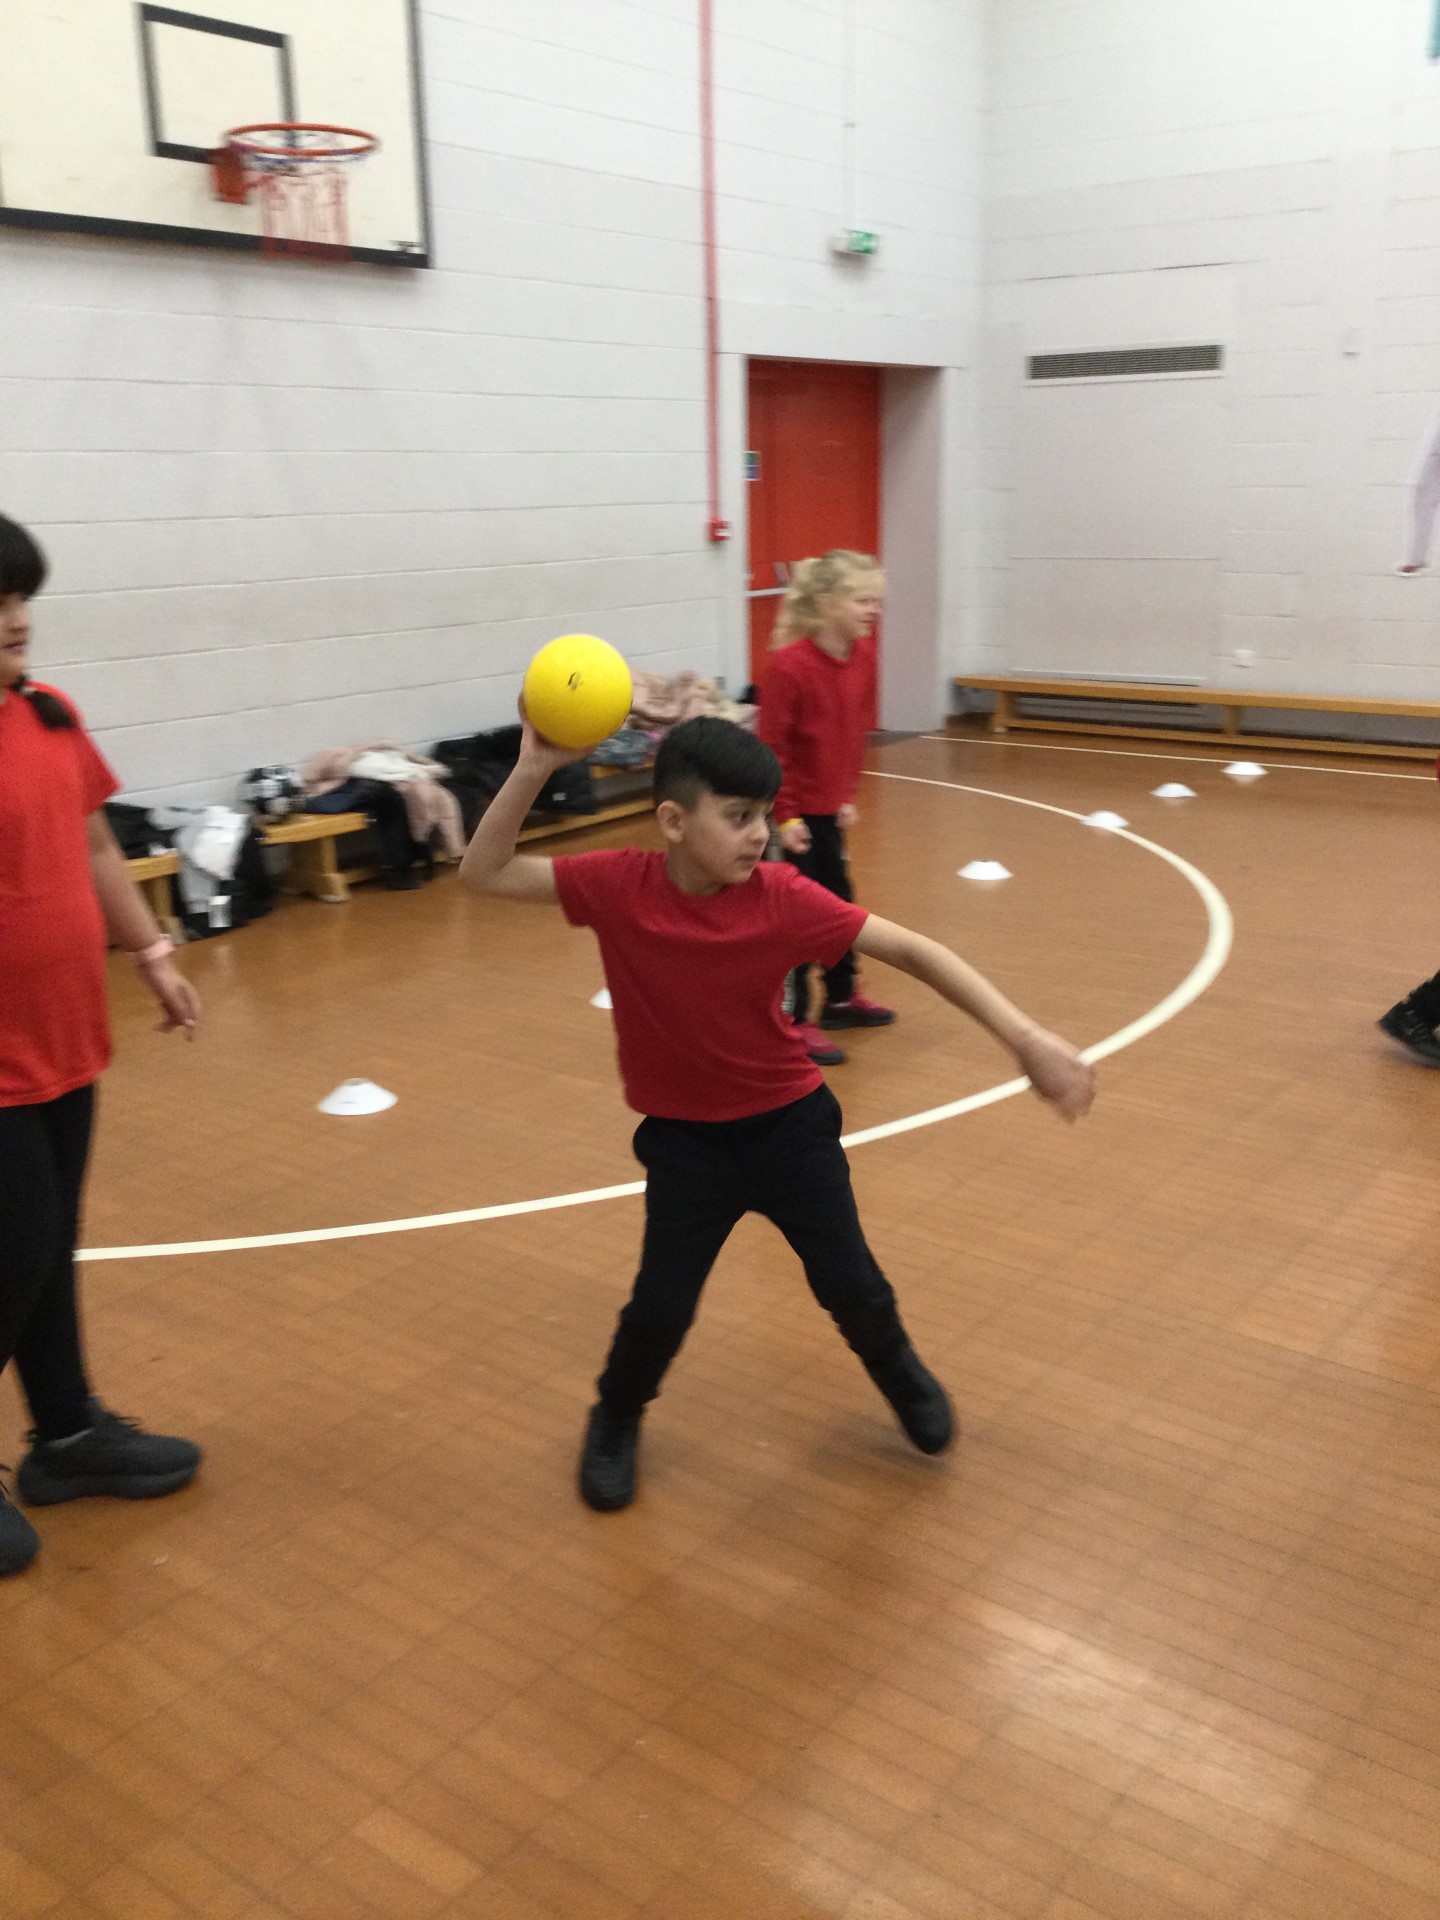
(814, 475)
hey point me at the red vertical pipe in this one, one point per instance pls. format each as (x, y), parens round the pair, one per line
(716, 528)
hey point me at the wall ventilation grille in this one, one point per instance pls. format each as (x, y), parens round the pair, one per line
(1125, 363)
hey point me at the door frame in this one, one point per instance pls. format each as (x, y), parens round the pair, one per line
(922, 496)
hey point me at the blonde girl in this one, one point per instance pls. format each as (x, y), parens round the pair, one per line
(816, 708)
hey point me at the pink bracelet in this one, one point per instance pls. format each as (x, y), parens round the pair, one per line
(160, 949)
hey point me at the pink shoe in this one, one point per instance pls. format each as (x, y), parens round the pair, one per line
(821, 1049)
(857, 1011)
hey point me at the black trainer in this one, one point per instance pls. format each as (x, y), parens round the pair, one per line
(1413, 1031)
(921, 1404)
(857, 1011)
(112, 1456)
(607, 1461)
(19, 1542)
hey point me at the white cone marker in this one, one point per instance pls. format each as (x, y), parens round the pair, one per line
(1110, 822)
(602, 1000)
(984, 870)
(1172, 790)
(1245, 770)
(357, 1096)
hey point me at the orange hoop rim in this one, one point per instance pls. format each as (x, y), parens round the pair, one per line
(279, 152)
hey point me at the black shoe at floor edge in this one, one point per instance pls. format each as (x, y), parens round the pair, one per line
(839, 1015)
(19, 1542)
(920, 1403)
(1413, 1031)
(113, 1458)
(607, 1460)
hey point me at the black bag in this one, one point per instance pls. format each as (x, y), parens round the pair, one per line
(483, 762)
(131, 827)
(396, 854)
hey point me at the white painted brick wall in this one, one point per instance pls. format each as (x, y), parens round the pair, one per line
(1297, 146)
(289, 507)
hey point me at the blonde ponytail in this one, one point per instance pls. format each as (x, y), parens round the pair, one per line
(812, 583)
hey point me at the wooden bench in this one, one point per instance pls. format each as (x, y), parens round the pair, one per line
(1232, 703)
(152, 873)
(314, 858)
(314, 865)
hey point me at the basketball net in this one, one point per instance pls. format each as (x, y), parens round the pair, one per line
(303, 213)
(298, 174)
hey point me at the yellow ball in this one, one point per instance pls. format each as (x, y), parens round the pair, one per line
(577, 691)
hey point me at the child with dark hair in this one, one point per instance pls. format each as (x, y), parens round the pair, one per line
(697, 941)
(63, 889)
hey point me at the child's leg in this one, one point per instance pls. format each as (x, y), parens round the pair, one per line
(797, 995)
(806, 1192)
(804, 1189)
(826, 864)
(80, 1448)
(798, 986)
(692, 1201)
(42, 1171)
(830, 865)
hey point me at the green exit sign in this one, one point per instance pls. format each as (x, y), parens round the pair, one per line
(857, 240)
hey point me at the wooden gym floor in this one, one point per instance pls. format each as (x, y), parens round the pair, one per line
(1160, 1639)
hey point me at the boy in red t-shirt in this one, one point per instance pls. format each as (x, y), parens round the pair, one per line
(697, 942)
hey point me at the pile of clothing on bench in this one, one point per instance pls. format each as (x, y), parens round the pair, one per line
(418, 805)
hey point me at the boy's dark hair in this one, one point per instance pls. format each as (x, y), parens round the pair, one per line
(708, 755)
(23, 568)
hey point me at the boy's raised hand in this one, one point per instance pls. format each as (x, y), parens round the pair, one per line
(1057, 1073)
(541, 754)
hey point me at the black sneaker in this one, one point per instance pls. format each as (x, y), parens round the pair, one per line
(1412, 1030)
(112, 1456)
(607, 1461)
(921, 1404)
(857, 1011)
(19, 1542)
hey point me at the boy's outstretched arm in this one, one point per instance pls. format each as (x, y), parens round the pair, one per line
(491, 864)
(1055, 1069)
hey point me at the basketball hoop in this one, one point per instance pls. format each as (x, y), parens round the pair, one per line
(297, 171)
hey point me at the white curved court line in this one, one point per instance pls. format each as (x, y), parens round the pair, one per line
(1217, 951)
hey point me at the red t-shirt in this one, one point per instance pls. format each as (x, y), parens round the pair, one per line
(54, 1023)
(815, 712)
(696, 979)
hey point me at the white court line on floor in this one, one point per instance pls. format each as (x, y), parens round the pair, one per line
(1220, 936)
(1192, 759)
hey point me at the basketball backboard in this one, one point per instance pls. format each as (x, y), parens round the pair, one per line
(109, 110)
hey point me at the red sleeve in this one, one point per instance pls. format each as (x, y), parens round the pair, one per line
(775, 724)
(97, 780)
(819, 923)
(585, 883)
(97, 777)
